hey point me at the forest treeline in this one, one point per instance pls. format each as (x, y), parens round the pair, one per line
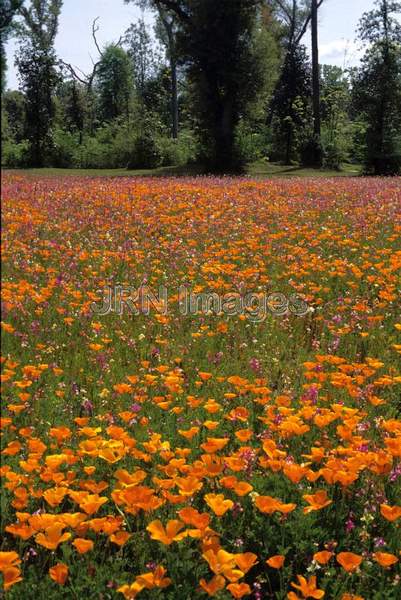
(218, 83)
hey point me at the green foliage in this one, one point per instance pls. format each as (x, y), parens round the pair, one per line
(38, 78)
(145, 59)
(114, 83)
(180, 151)
(14, 106)
(231, 78)
(377, 88)
(36, 62)
(290, 107)
(8, 10)
(14, 154)
(268, 49)
(215, 41)
(251, 143)
(310, 149)
(64, 148)
(72, 106)
(336, 125)
(118, 144)
(145, 152)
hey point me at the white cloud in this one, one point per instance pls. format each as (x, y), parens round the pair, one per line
(340, 52)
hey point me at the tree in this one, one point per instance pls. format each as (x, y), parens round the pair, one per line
(141, 50)
(297, 16)
(290, 104)
(72, 98)
(317, 154)
(88, 79)
(143, 53)
(168, 35)
(14, 106)
(8, 10)
(377, 88)
(215, 41)
(36, 62)
(337, 129)
(114, 83)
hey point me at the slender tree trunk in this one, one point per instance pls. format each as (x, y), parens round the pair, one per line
(316, 80)
(169, 29)
(174, 98)
(288, 146)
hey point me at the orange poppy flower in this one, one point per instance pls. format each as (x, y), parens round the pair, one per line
(166, 535)
(213, 445)
(349, 561)
(243, 435)
(22, 530)
(59, 573)
(295, 472)
(269, 505)
(391, 513)
(154, 579)
(11, 576)
(122, 388)
(189, 433)
(55, 495)
(52, 536)
(238, 590)
(385, 559)
(322, 557)
(120, 538)
(218, 503)
(308, 588)
(9, 559)
(246, 561)
(317, 501)
(73, 520)
(130, 592)
(213, 586)
(190, 516)
(92, 502)
(276, 561)
(242, 488)
(83, 545)
(223, 563)
(188, 486)
(205, 376)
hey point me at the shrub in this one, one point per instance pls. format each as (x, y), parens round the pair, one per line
(65, 147)
(333, 156)
(250, 144)
(145, 153)
(177, 151)
(14, 154)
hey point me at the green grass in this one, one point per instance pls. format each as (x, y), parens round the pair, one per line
(267, 169)
(257, 169)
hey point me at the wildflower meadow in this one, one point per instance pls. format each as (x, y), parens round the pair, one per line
(163, 455)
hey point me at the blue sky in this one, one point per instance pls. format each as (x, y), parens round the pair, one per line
(338, 21)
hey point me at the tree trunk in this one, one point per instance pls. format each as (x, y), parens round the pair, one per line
(316, 82)
(174, 98)
(224, 155)
(168, 25)
(288, 146)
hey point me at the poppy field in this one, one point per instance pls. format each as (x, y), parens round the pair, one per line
(210, 454)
